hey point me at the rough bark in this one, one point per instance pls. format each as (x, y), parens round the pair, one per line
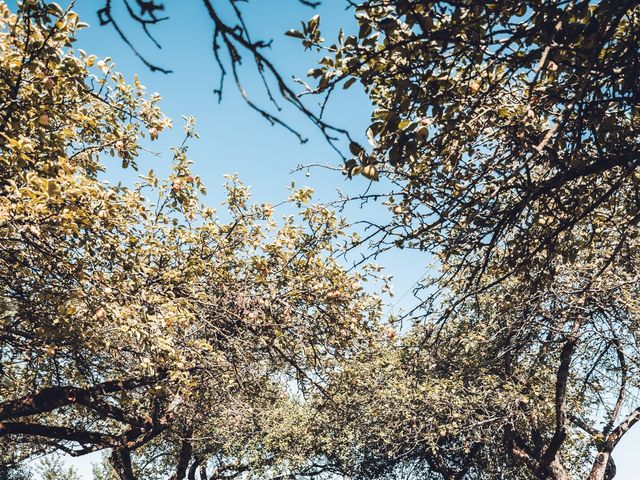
(184, 458)
(121, 462)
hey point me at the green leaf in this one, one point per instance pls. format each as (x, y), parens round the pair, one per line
(349, 82)
(55, 9)
(370, 172)
(313, 23)
(294, 33)
(355, 148)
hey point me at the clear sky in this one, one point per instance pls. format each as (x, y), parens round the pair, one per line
(234, 139)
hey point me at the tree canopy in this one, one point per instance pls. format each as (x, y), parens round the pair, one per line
(522, 381)
(505, 127)
(509, 132)
(134, 316)
(137, 320)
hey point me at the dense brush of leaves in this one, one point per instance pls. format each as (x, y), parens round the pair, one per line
(133, 318)
(509, 131)
(505, 126)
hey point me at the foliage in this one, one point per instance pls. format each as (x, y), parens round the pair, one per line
(137, 320)
(14, 473)
(504, 126)
(52, 468)
(509, 132)
(522, 382)
(134, 318)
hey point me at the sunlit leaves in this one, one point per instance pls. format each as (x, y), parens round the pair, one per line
(190, 313)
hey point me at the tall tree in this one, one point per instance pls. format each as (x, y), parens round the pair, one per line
(132, 317)
(509, 131)
(503, 126)
(524, 381)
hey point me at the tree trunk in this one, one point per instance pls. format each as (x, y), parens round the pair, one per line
(554, 470)
(603, 468)
(121, 462)
(193, 469)
(557, 470)
(184, 458)
(203, 472)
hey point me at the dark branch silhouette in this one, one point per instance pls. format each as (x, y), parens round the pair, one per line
(230, 43)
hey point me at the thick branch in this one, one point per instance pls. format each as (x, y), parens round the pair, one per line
(52, 398)
(59, 433)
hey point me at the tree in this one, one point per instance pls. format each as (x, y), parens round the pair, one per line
(133, 318)
(52, 468)
(524, 381)
(14, 473)
(175, 339)
(502, 126)
(509, 132)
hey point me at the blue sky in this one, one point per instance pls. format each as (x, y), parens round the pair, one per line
(235, 139)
